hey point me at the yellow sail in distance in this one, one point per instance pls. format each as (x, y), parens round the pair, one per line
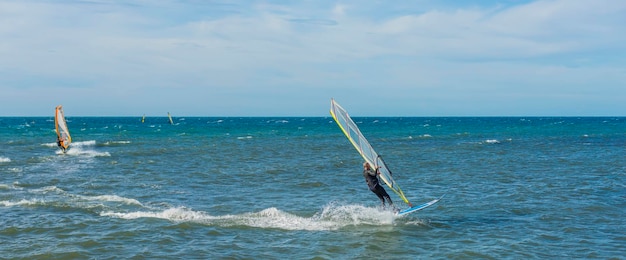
(63, 133)
(364, 148)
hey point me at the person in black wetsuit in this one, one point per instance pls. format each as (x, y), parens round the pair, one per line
(371, 177)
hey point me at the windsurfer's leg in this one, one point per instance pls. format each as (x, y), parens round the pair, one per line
(380, 197)
(385, 195)
(380, 192)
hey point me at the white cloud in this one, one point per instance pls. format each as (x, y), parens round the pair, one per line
(258, 55)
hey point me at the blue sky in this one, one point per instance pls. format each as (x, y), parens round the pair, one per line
(288, 58)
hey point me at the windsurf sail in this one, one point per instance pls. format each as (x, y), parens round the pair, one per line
(63, 133)
(170, 117)
(364, 148)
(143, 119)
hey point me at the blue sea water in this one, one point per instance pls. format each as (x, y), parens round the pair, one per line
(292, 188)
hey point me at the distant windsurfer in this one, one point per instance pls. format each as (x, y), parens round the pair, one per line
(371, 177)
(60, 144)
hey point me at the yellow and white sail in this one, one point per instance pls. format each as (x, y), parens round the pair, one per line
(364, 148)
(63, 133)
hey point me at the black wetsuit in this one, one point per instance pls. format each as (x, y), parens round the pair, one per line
(372, 182)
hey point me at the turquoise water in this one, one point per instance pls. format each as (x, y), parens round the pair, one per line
(278, 188)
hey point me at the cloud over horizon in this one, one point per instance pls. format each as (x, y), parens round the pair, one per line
(254, 58)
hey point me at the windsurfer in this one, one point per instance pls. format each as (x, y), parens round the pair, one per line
(371, 177)
(60, 144)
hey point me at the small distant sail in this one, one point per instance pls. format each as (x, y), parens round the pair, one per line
(364, 148)
(170, 117)
(143, 119)
(63, 133)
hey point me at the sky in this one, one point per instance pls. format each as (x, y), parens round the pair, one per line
(289, 58)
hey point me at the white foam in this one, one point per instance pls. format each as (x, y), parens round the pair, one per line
(113, 198)
(331, 217)
(55, 194)
(80, 151)
(492, 141)
(84, 143)
(275, 218)
(421, 136)
(73, 144)
(47, 189)
(15, 169)
(357, 215)
(22, 202)
(50, 144)
(116, 142)
(4, 159)
(173, 214)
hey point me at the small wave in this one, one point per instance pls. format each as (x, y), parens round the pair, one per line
(103, 198)
(356, 215)
(84, 143)
(332, 217)
(244, 137)
(73, 144)
(5, 160)
(116, 142)
(14, 169)
(14, 186)
(49, 144)
(23, 202)
(82, 152)
(492, 141)
(112, 198)
(275, 218)
(48, 189)
(173, 214)
(57, 197)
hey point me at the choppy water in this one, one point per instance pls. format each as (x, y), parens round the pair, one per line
(274, 188)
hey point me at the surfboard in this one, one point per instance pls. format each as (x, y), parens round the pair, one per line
(418, 207)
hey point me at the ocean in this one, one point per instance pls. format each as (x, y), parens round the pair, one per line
(292, 188)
